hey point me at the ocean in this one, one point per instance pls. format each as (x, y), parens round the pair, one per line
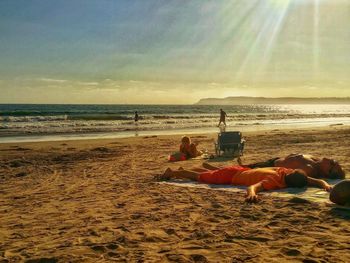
(35, 122)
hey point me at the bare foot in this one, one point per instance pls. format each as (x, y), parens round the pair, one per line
(181, 168)
(166, 174)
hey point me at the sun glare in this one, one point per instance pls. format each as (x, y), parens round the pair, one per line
(270, 21)
(279, 3)
(269, 18)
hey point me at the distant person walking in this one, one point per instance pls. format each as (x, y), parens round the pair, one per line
(223, 116)
(136, 118)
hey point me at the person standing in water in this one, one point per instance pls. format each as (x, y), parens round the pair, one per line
(136, 118)
(223, 116)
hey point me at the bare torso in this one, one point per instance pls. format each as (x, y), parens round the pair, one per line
(307, 163)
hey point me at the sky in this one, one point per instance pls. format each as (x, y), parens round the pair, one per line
(172, 51)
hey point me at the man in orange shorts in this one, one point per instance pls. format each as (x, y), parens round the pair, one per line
(257, 180)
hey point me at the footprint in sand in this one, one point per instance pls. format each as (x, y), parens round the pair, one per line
(176, 258)
(99, 249)
(101, 149)
(21, 174)
(18, 163)
(199, 258)
(112, 246)
(22, 149)
(291, 251)
(42, 260)
(136, 216)
(216, 205)
(170, 231)
(113, 254)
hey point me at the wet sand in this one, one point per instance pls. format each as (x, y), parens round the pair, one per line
(97, 201)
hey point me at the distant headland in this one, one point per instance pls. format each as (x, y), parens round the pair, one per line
(263, 100)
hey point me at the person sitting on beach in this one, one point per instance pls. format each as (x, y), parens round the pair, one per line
(311, 165)
(340, 193)
(257, 180)
(189, 148)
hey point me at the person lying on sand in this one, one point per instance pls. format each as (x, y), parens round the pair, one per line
(340, 193)
(189, 148)
(257, 180)
(311, 165)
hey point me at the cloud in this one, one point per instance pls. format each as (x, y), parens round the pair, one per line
(114, 91)
(65, 81)
(52, 80)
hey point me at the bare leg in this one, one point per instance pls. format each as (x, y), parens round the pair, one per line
(180, 174)
(200, 170)
(196, 169)
(268, 163)
(209, 166)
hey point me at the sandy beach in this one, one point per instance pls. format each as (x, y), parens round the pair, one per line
(97, 201)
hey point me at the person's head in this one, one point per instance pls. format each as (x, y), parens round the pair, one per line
(331, 169)
(297, 178)
(340, 193)
(220, 109)
(185, 140)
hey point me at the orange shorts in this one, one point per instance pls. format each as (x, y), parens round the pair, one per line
(221, 176)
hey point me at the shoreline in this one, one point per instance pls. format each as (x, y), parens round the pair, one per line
(142, 133)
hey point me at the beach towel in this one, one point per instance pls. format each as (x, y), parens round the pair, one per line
(309, 194)
(177, 156)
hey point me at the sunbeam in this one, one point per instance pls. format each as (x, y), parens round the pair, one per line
(316, 38)
(271, 16)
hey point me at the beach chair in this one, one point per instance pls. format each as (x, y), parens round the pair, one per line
(230, 144)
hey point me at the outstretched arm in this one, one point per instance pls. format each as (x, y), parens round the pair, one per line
(318, 183)
(252, 191)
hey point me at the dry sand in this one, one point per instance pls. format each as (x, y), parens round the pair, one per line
(96, 201)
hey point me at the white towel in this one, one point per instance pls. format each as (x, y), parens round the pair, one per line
(310, 193)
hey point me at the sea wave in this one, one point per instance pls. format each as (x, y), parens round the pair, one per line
(83, 126)
(32, 118)
(165, 118)
(48, 119)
